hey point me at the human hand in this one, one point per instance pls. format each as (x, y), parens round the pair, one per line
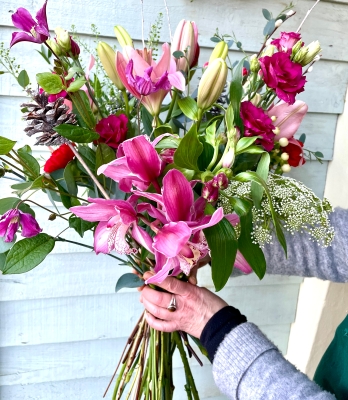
(195, 306)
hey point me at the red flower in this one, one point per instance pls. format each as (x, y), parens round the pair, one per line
(112, 130)
(295, 152)
(59, 159)
(283, 75)
(257, 123)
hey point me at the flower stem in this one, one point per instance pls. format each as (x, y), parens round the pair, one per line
(171, 107)
(126, 102)
(94, 179)
(39, 205)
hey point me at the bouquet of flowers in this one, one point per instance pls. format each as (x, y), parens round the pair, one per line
(167, 177)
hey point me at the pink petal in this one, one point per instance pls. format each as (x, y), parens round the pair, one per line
(22, 37)
(170, 264)
(153, 212)
(140, 65)
(142, 237)
(177, 80)
(42, 21)
(171, 238)
(101, 236)
(23, 20)
(208, 221)
(30, 227)
(177, 196)
(95, 212)
(121, 65)
(242, 264)
(162, 65)
(233, 219)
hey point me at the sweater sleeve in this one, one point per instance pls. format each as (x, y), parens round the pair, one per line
(248, 366)
(306, 258)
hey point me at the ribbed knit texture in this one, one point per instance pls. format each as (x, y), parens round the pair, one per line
(247, 366)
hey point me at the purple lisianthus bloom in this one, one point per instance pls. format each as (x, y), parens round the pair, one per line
(286, 41)
(33, 31)
(10, 221)
(257, 123)
(283, 75)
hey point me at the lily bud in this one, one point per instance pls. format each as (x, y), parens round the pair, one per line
(220, 51)
(122, 36)
(283, 142)
(108, 59)
(286, 168)
(54, 46)
(254, 63)
(186, 40)
(212, 84)
(228, 159)
(63, 39)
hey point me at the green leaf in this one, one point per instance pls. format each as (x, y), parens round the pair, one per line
(262, 171)
(89, 157)
(2, 260)
(244, 143)
(210, 134)
(76, 85)
(28, 253)
(302, 138)
(80, 225)
(6, 145)
(229, 118)
(70, 180)
(189, 107)
(178, 54)
(23, 79)
(5, 246)
(205, 158)
(240, 206)
(32, 166)
(76, 133)
(254, 177)
(72, 71)
(57, 177)
(169, 142)
(82, 109)
(166, 128)
(11, 202)
(129, 280)
(319, 154)
(24, 187)
(104, 155)
(251, 251)
(146, 119)
(254, 150)
(222, 241)
(215, 39)
(266, 14)
(236, 93)
(190, 148)
(269, 28)
(245, 162)
(50, 83)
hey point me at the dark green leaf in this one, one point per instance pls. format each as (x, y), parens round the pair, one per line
(245, 162)
(269, 28)
(21, 188)
(205, 158)
(82, 109)
(5, 246)
(223, 245)
(6, 145)
(89, 156)
(28, 253)
(239, 45)
(178, 124)
(50, 83)
(104, 155)
(190, 148)
(169, 142)
(11, 202)
(236, 93)
(129, 280)
(76, 133)
(166, 128)
(189, 107)
(240, 206)
(251, 251)
(76, 85)
(262, 171)
(57, 177)
(23, 79)
(302, 138)
(70, 180)
(266, 14)
(2, 260)
(32, 166)
(146, 119)
(178, 54)
(80, 225)
(215, 39)
(319, 154)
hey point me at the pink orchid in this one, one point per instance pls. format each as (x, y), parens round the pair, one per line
(139, 165)
(179, 243)
(288, 117)
(148, 80)
(116, 218)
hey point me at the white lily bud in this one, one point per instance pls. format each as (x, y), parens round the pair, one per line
(284, 156)
(286, 168)
(283, 142)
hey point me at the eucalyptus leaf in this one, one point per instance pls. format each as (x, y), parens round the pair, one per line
(266, 14)
(50, 83)
(70, 179)
(23, 79)
(178, 54)
(128, 280)
(302, 138)
(319, 154)
(6, 145)
(76, 133)
(189, 107)
(190, 148)
(82, 109)
(28, 253)
(215, 39)
(269, 28)
(146, 119)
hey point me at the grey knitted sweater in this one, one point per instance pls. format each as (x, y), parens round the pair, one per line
(246, 364)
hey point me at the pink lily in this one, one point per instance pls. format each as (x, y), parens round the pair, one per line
(140, 165)
(116, 218)
(288, 117)
(148, 80)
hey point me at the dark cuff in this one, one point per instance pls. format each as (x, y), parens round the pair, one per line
(218, 326)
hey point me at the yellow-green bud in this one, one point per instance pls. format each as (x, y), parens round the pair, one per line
(305, 55)
(212, 83)
(254, 63)
(108, 59)
(256, 99)
(63, 39)
(123, 36)
(269, 51)
(54, 46)
(220, 51)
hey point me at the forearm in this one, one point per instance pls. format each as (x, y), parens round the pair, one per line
(306, 258)
(248, 366)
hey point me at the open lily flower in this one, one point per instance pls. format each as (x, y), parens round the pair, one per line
(115, 218)
(148, 80)
(140, 165)
(33, 31)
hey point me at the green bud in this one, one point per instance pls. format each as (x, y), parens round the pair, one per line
(122, 36)
(108, 59)
(254, 63)
(227, 171)
(220, 51)
(63, 39)
(54, 46)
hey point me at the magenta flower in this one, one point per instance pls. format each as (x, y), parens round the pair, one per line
(140, 165)
(179, 242)
(148, 80)
(33, 31)
(12, 219)
(257, 123)
(286, 41)
(283, 76)
(116, 218)
(112, 130)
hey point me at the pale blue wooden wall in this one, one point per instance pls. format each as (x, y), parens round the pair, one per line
(62, 327)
